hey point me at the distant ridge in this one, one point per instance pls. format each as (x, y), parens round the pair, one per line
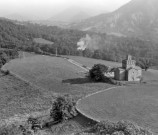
(138, 18)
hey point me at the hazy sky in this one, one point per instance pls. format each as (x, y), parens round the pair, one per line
(42, 9)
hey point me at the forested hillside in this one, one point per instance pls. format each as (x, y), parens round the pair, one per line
(14, 35)
(21, 36)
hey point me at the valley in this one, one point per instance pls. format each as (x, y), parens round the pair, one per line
(61, 74)
(55, 75)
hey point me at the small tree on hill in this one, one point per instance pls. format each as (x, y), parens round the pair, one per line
(3, 59)
(144, 63)
(63, 108)
(97, 72)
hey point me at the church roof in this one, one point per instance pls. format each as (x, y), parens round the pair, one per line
(136, 67)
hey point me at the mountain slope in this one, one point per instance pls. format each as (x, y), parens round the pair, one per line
(71, 14)
(17, 17)
(137, 18)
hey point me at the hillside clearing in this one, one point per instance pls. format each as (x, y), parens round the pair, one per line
(42, 41)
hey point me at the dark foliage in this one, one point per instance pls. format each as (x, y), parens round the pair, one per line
(63, 108)
(97, 72)
(144, 63)
(6, 55)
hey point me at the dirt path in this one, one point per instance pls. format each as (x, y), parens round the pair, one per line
(78, 64)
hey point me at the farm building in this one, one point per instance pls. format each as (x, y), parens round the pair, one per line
(129, 71)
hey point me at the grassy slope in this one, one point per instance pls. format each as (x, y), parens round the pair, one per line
(90, 62)
(18, 97)
(54, 75)
(42, 41)
(57, 75)
(18, 100)
(135, 103)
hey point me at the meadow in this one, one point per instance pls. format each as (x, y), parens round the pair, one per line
(38, 79)
(137, 103)
(53, 75)
(42, 41)
(89, 62)
(19, 98)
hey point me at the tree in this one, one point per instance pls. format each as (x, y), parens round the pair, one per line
(97, 72)
(3, 58)
(144, 63)
(63, 108)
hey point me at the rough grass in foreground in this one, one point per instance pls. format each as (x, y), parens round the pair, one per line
(117, 128)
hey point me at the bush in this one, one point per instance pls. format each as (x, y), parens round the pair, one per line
(63, 108)
(97, 72)
(5, 72)
(144, 63)
(120, 128)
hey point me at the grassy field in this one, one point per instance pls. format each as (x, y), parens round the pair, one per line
(90, 62)
(55, 75)
(42, 41)
(18, 97)
(51, 75)
(135, 103)
(18, 100)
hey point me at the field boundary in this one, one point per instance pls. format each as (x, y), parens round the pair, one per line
(74, 63)
(78, 64)
(86, 115)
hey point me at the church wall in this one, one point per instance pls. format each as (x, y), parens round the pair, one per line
(120, 74)
(133, 75)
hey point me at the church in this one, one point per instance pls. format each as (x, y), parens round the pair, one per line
(129, 71)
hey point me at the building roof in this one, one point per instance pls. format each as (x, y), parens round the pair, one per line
(136, 67)
(120, 68)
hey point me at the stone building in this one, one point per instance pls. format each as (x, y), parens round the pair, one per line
(129, 71)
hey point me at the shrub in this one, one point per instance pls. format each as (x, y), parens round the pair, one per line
(63, 108)
(5, 72)
(144, 63)
(120, 128)
(97, 72)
